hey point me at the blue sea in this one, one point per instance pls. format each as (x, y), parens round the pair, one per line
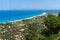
(12, 15)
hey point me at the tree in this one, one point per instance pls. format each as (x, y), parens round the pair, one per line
(52, 23)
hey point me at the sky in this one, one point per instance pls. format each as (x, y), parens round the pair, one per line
(29, 4)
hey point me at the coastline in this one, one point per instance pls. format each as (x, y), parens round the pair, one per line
(44, 13)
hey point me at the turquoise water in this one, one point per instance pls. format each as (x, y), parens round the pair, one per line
(12, 15)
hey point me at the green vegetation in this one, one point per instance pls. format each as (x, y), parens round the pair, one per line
(52, 23)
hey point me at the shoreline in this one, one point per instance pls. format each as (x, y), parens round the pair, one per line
(44, 13)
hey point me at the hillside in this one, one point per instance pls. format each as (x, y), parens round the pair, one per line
(45, 27)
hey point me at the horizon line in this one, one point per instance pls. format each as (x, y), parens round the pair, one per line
(33, 9)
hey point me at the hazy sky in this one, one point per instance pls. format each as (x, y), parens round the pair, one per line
(29, 4)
